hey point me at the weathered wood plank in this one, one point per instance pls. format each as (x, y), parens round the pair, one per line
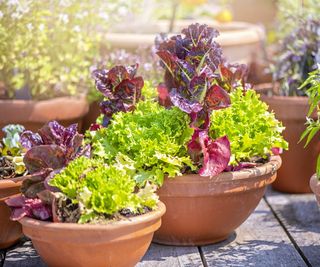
(301, 217)
(163, 256)
(2, 255)
(260, 241)
(23, 255)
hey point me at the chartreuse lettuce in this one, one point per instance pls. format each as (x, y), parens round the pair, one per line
(101, 189)
(251, 129)
(152, 141)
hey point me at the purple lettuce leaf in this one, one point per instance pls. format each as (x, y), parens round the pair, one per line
(183, 103)
(233, 75)
(121, 89)
(217, 98)
(28, 207)
(216, 154)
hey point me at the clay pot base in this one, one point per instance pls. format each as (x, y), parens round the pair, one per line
(299, 163)
(118, 244)
(204, 210)
(10, 231)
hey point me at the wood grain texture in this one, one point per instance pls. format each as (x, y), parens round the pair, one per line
(301, 217)
(23, 255)
(163, 256)
(2, 255)
(260, 241)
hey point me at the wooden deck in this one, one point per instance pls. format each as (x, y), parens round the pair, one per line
(284, 230)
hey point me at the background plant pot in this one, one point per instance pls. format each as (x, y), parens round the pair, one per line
(10, 231)
(33, 114)
(204, 210)
(239, 40)
(91, 116)
(315, 186)
(121, 243)
(299, 163)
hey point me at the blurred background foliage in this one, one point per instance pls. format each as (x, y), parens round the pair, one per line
(49, 48)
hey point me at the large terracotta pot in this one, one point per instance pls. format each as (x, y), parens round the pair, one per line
(10, 232)
(299, 163)
(33, 114)
(239, 40)
(315, 186)
(204, 210)
(117, 244)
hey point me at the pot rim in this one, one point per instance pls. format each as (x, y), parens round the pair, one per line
(245, 174)
(12, 182)
(116, 225)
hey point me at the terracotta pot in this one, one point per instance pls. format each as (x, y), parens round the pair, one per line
(121, 243)
(239, 40)
(91, 116)
(10, 232)
(315, 186)
(204, 210)
(299, 163)
(33, 114)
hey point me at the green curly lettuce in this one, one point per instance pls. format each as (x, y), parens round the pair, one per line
(100, 189)
(252, 130)
(152, 139)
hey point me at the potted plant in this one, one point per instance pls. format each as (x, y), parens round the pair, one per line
(313, 125)
(214, 146)
(76, 206)
(12, 172)
(47, 50)
(297, 55)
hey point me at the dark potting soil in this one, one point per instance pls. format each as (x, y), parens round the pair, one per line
(7, 169)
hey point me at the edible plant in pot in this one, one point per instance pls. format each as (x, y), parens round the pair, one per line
(12, 172)
(313, 125)
(76, 206)
(214, 144)
(297, 56)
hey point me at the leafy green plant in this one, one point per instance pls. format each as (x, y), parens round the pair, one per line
(297, 55)
(101, 190)
(313, 126)
(11, 150)
(48, 47)
(251, 129)
(152, 139)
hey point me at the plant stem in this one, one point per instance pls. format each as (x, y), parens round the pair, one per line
(174, 13)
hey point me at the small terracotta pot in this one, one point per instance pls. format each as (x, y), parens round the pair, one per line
(204, 210)
(10, 232)
(33, 114)
(299, 163)
(118, 244)
(315, 186)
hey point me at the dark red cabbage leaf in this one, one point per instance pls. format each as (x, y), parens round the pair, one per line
(120, 87)
(49, 150)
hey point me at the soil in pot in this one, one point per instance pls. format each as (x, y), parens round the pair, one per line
(315, 187)
(121, 243)
(10, 231)
(299, 163)
(204, 210)
(33, 114)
